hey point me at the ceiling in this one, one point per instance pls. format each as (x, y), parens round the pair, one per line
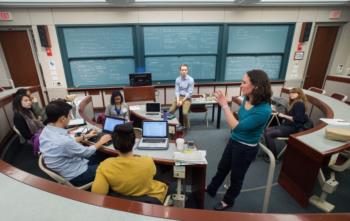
(169, 3)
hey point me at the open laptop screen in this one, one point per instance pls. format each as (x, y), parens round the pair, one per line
(152, 107)
(110, 123)
(155, 129)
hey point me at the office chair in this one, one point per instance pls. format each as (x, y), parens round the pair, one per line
(58, 178)
(22, 140)
(199, 108)
(338, 96)
(317, 90)
(138, 132)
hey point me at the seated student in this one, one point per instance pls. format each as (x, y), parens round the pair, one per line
(127, 174)
(24, 119)
(62, 153)
(117, 108)
(292, 122)
(38, 111)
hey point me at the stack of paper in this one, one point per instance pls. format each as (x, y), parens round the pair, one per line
(335, 122)
(191, 157)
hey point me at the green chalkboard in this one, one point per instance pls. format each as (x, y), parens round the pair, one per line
(98, 41)
(101, 72)
(171, 40)
(167, 68)
(257, 39)
(237, 66)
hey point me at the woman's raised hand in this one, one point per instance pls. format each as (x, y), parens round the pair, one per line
(220, 98)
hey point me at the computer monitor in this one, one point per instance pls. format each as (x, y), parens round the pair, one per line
(140, 79)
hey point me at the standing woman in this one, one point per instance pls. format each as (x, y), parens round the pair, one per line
(242, 146)
(26, 122)
(117, 108)
(293, 121)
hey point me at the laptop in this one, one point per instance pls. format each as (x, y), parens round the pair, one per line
(108, 127)
(154, 136)
(153, 108)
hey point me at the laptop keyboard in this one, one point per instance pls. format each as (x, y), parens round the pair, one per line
(152, 113)
(154, 140)
(96, 138)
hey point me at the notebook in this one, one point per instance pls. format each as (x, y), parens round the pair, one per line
(153, 108)
(154, 136)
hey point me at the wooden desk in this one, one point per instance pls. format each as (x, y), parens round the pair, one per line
(307, 151)
(197, 171)
(25, 196)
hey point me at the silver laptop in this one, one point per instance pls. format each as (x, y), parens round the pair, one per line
(153, 108)
(154, 136)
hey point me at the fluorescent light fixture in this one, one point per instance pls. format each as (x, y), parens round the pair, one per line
(52, 1)
(189, 1)
(304, 1)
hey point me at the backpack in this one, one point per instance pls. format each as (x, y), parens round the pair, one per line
(36, 142)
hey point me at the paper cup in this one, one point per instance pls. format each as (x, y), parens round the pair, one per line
(180, 144)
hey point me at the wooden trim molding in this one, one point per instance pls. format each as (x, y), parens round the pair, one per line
(146, 209)
(338, 79)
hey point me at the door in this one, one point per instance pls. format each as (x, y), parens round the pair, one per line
(320, 56)
(19, 58)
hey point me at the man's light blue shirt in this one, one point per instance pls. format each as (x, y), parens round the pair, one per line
(184, 86)
(62, 153)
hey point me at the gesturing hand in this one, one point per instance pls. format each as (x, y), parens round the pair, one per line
(220, 98)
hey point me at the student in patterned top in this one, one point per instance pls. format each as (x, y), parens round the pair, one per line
(117, 108)
(242, 146)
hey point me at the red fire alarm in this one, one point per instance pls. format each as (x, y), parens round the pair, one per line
(48, 52)
(300, 46)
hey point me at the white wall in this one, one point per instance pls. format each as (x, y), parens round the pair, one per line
(295, 70)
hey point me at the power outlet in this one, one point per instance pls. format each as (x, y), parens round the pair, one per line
(340, 69)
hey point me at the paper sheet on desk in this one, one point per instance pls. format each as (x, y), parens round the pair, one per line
(190, 157)
(134, 107)
(335, 122)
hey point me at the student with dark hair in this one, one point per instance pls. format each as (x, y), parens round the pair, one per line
(24, 119)
(38, 111)
(117, 107)
(62, 153)
(242, 146)
(128, 174)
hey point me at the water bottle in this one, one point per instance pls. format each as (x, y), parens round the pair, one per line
(165, 115)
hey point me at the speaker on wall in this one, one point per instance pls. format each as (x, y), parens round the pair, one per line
(44, 36)
(305, 31)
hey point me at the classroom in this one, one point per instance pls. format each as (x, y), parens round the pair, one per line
(194, 56)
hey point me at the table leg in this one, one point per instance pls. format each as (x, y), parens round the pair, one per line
(218, 120)
(213, 113)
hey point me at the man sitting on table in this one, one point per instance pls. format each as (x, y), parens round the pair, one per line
(183, 91)
(64, 154)
(128, 174)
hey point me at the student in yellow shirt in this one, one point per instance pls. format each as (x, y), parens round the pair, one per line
(127, 174)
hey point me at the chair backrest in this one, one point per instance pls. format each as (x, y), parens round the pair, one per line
(86, 109)
(21, 138)
(338, 96)
(197, 108)
(317, 90)
(58, 178)
(135, 94)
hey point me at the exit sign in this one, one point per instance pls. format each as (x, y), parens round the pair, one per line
(5, 16)
(334, 14)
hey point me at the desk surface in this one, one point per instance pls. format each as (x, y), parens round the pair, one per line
(140, 110)
(316, 139)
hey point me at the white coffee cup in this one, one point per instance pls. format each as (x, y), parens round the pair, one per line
(180, 144)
